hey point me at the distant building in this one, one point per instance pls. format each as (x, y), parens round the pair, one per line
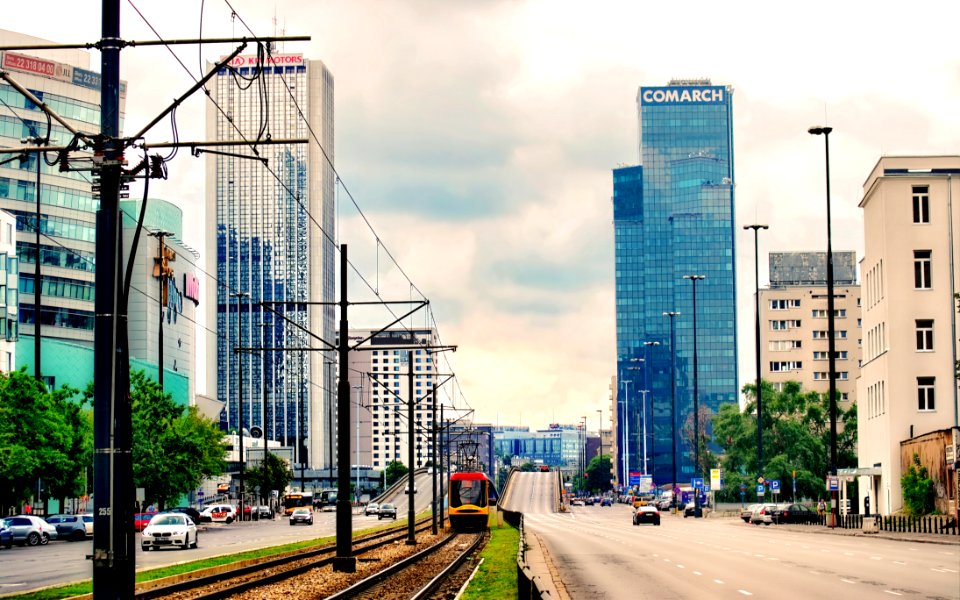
(910, 269)
(674, 216)
(556, 446)
(9, 292)
(793, 322)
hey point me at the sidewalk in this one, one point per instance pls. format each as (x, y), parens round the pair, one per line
(901, 536)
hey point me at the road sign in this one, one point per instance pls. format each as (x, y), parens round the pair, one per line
(759, 489)
(833, 483)
(697, 483)
(716, 478)
(775, 486)
(759, 479)
(743, 487)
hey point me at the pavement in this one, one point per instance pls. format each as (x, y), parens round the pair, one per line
(900, 536)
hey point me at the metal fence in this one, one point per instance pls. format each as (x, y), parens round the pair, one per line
(932, 524)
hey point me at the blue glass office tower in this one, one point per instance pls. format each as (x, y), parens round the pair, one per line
(674, 216)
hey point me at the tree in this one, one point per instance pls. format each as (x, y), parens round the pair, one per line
(796, 439)
(174, 447)
(598, 474)
(43, 435)
(918, 489)
(271, 474)
(396, 470)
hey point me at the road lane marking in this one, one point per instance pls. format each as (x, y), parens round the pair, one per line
(892, 592)
(697, 573)
(666, 560)
(745, 592)
(948, 570)
(846, 580)
(897, 562)
(681, 567)
(718, 581)
(876, 558)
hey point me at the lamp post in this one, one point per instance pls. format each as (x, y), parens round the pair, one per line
(624, 428)
(358, 405)
(673, 404)
(646, 384)
(831, 327)
(696, 397)
(756, 331)
(239, 296)
(583, 454)
(331, 364)
(160, 272)
(600, 431)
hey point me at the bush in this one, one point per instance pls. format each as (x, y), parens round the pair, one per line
(918, 489)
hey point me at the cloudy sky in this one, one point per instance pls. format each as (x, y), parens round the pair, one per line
(478, 138)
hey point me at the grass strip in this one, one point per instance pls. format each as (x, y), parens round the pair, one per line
(497, 576)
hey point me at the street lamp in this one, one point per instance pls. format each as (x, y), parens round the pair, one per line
(358, 404)
(583, 454)
(236, 349)
(646, 384)
(160, 272)
(600, 432)
(696, 397)
(831, 331)
(756, 330)
(673, 403)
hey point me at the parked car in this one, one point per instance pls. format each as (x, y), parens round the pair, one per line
(219, 513)
(689, 509)
(6, 536)
(746, 512)
(647, 513)
(387, 510)
(140, 520)
(87, 522)
(793, 513)
(371, 508)
(191, 512)
(169, 530)
(606, 502)
(763, 514)
(69, 527)
(29, 530)
(577, 502)
(588, 501)
(301, 514)
(406, 489)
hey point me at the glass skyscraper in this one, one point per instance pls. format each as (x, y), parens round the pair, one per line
(674, 216)
(271, 228)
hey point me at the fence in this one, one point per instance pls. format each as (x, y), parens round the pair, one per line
(932, 524)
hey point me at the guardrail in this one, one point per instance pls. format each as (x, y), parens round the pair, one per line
(928, 524)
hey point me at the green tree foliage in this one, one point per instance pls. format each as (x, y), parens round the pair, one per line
(271, 474)
(43, 435)
(174, 447)
(528, 467)
(395, 471)
(598, 475)
(796, 437)
(918, 489)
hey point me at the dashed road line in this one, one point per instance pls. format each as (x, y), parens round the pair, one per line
(892, 592)
(846, 580)
(897, 562)
(745, 592)
(697, 573)
(718, 581)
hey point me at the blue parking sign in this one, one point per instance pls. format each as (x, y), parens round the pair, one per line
(697, 483)
(760, 489)
(775, 486)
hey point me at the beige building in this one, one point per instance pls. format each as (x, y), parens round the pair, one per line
(794, 324)
(907, 385)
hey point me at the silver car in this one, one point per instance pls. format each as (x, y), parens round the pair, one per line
(29, 530)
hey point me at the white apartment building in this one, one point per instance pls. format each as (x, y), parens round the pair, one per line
(794, 326)
(907, 385)
(9, 292)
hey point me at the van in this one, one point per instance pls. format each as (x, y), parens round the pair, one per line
(219, 513)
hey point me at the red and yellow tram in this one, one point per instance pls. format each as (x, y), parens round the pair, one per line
(469, 498)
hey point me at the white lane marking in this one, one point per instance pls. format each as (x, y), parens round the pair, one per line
(772, 558)
(697, 573)
(681, 567)
(876, 558)
(897, 562)
(718, 581)
(666, 560)
(948, 570)
(847, 581)
(892, 592)
(745, 592)
(935, 570)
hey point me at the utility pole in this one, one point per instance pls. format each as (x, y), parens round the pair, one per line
(161, 270)
(344, 561)
(411, 427)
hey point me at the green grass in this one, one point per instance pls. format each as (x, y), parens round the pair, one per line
(497, 576)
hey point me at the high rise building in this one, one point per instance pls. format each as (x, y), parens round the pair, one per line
(908, 386)
(62, 80)
(674, 216)
(793, 323)
(270, 219)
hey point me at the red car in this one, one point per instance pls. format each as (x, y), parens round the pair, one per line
(140, 520)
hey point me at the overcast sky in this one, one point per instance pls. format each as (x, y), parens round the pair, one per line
(478, 138)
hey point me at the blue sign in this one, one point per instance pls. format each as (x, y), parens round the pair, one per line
(742, 487)
(775, 486)
(759, 489)
(635, 477)
(697, 483)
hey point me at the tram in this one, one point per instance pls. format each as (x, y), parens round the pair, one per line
(470, 496)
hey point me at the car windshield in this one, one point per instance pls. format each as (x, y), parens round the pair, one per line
(167, 520)
(388, 506)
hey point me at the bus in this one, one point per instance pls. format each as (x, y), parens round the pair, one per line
(327, 500)
(296, 499)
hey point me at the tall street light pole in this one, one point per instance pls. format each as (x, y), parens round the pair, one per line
(625, 427)
(583, 453)
(239, 296)
(756, 331)
(696, 397)
(673, 404)
(648, 390)
(161, 272)
(357, 404)
(600, 431)
(831, 327)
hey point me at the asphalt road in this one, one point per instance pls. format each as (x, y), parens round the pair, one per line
(23, 569)
(599, 554)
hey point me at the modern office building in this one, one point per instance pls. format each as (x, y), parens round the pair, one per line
(380, 381)
(793, 322)
(910, 269)
(558, 445)
(9, 292)
(62, 79)
(270, 219)
(674, 217)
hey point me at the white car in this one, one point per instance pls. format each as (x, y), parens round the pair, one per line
(29, 530)
(406, 490)
(169, 530)
(371, 508)
(219, 513)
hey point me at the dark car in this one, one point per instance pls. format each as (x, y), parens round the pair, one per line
(6, 536)
(193, 513)
(606, 502)
(387, 510)
(646, 514)
(302, 514)
(793, 513)
(69, 527)
(588, 501)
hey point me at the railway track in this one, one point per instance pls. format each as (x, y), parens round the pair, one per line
(421, 575)
(251, 576)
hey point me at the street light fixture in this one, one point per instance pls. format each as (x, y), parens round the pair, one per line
(673, 404)
(831, 331)
(646, 384)
(756, 329)
(359, 405)
(160, 272)
(696, 397)
(600, 432)
(236, 349)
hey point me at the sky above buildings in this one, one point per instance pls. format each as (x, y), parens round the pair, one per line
(478, 137)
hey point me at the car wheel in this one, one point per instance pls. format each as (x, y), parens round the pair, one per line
(44, 539)
(379, 517)
(291, 523)
(145, 548)
(33, 538)
(657, 523)
(767, 523)
(229, 520)
(196, 541)
(79, 536)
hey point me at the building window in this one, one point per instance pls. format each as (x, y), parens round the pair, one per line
(924, 335)
(921, 204)
(785, 304)
(925, 399)
(783, 325)
(786, 365)
(921, 270)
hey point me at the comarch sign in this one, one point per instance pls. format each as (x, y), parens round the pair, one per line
(707, 94)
